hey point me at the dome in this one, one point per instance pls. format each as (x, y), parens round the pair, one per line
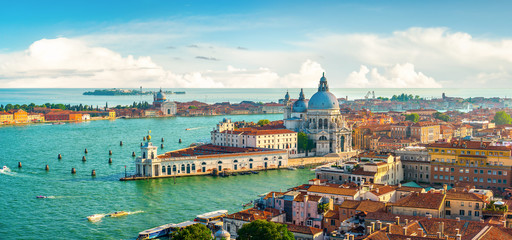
(300, 106)
(222, 234)
(323, 99)
(160, 95)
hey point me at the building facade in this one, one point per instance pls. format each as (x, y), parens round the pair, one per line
(416, 164)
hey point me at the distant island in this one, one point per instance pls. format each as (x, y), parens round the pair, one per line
(121, 92)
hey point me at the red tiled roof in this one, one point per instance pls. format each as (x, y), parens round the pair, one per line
(422, 200)
(304, 229)
(332, 190)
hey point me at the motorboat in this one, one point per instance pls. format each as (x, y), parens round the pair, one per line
(5, 168)
(118, 214)
(292, 168)
(254, 172)
(41, 196)
(95, 217)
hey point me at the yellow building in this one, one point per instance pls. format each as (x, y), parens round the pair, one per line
(19, 115)
(112, 114)
(35, 117)
(6, 118)
(470, 162)
(464, 205)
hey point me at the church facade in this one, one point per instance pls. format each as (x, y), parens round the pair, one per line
(320, 118)
(160, 102)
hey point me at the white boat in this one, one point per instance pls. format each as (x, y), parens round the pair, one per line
(95, 217)
(156, 232)
(5, 168)
(292, 168)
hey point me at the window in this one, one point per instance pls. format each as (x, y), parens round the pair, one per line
(447, 203)
(435, 176)
(481, 180)
(452, 169)
(469, 213)
(500, 173)
(462, 204)
(475, 179)
(309, 222)
(477, 213)
(488, 180)
(481, 171)
(488, 172)
(435, 168)
(467, 170)
(504, 181)
(461, 212)
(448, 212)
(476, 171)
(333, 222)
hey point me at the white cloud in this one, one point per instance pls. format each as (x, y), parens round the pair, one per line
(64, 62)
(399, 76)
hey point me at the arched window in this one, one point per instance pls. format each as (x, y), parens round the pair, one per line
(163, 169)
(204, 163)
(265, 159)
(193, 167)
(235, 161)
(174, 168)
(169, 170)
(182, 167)
(322, 138)
(144, 155)
(220, 162)
(152, 155)
(280, 157)
(250, 160)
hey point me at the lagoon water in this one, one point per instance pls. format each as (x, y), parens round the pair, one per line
(233, 95)
(74, 197)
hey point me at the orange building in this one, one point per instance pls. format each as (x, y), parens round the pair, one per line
(63, 116)
(6, 118)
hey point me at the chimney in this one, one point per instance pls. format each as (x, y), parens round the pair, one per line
(389, 228)
(397, 220)
(441, 227)
(347, 236)
(373, 226)
(369, 230)
(445, 188)
(457, 231)
(405, 231)
(420, 232)
(429, 216)
(379, 225)
(352, 237)
(406, 222)
(439, 235)
(458, 237)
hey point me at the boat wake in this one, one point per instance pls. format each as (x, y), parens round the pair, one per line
(135, 212)
(189, 129)
(7, 171)
(96, 217)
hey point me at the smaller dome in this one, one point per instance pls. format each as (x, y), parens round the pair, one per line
(300, 106)
(222, 234)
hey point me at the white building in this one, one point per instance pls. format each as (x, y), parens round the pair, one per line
(320, 119)
(160, 102)
(225, 134)
(206, 159)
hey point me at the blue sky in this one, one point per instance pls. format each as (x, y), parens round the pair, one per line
(279, 43)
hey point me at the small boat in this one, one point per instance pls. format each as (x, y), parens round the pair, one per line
(234, 174)
(248, 173)
(58, 123)
(41, 196)
(255, 172)
(187, 129)
(292, 168)
(247, 204)
(95, 217)
(118, 214)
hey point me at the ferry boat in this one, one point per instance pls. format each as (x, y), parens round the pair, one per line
(156, 232)
(163, 230)
(118, 214)
(211, 217)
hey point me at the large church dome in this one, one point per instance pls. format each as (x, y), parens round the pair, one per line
(323, 99)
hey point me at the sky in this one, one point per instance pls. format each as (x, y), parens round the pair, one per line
(255, 44)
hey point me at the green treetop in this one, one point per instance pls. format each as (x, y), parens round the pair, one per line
(263, 230)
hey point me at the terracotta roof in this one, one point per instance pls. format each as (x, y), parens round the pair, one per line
(332, 190)
(409, 189)
(350, 204)
(382, 190)
(253, 131)
(269, 195)
(465, 196)
(421, 200)
(370, 206)
(303, 229)
(468, 144)
(250, 215)
(332, 214)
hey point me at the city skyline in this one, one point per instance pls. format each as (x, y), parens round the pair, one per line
(370, 44)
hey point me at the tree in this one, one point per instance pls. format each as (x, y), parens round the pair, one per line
(302, 141)
(414, 117)
(263, 230)
(192, 107)
(263, 122)
(501, 118)
(441, 116)
(193, 232)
